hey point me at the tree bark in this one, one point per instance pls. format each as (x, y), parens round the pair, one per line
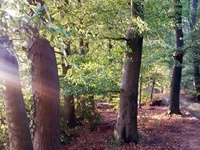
(70, 111)
(66, 1)
(126, 127)
(45, 86)
(70, 116)
(152, 88)
(178, 58)
(140, 92)
(194, 12)
(18, 125)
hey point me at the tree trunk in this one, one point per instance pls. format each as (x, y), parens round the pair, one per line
(152, 88)
(70, 116)
(196, 53)
(194, 13)
(70, 111)
(45, 86)
(18, 125)
(140, 93)
(126, 127)
(178, 58)
(197, 74)
(84, 46)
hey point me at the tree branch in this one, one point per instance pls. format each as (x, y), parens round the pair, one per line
(116, 39)
(60, 53)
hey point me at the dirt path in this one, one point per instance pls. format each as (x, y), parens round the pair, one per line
(157, 132)
(175, 132)
(192, 107)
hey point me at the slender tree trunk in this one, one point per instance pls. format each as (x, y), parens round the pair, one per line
(196, 52)
(178, 58)
(70, 111)
(197, 74)
(81, 45)
(126, 127)
(18, 125)
(194, 12)
(152, 88)
(45, 86)
(69, 106)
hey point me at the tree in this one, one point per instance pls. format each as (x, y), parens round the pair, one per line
(18, 125)
(126, 127)
(45, 85)
(196, 52)
(69, 107)
(178, 58)
(87, 74)
(157, 46)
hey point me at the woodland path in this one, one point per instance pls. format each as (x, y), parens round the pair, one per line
(157, 130)
(192, 107)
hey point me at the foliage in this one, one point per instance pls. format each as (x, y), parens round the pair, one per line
(145, 97)
(158, 44)
(64, 138)
(88, 75)
(85, 108)
(4, 144)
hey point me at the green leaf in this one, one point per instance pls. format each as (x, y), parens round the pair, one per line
(59, 27)
(52, 29)
(67, 34)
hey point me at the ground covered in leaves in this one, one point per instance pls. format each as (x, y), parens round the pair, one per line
(157, 130)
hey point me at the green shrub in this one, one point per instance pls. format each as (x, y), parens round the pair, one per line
(85, 109)
(145, 97)
(4, 141)
(64, 137)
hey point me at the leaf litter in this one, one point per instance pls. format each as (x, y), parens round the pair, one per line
(157, 131)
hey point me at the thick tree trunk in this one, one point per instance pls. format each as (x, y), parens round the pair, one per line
(45, 86)
(126, 127)
(196, 52)
(178, 58)
(18, 125)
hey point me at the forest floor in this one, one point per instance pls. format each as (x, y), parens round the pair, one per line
(157, 130)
